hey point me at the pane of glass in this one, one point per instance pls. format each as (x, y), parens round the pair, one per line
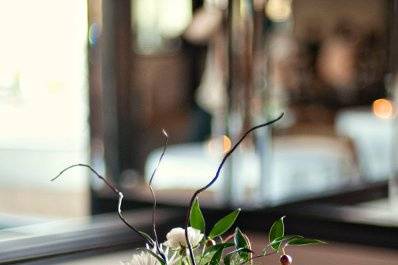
(328, 72)
(325, 65)
(43, 110)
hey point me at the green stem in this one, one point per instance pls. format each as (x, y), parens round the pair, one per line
(258, 256)
(214, 179)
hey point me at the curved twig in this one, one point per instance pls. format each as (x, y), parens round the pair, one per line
(154, 196)
(196, 193)
(115, 190)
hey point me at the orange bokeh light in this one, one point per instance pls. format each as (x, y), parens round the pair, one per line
(383, 108)
(227, 144)
(218, 145)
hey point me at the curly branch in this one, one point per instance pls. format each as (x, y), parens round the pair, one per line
(196, 193)
(154, 196)
(116, 191)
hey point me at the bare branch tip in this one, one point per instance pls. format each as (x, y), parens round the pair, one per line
(164, 132)
(55, 178)
(59, 175)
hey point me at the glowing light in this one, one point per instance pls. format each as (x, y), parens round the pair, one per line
(383, 108)
(278, 10)
(219, 145)
(227, 144)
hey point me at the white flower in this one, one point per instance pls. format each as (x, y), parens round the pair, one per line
(176, 237)
(142, 258)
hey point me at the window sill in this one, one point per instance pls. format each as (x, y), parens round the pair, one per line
(64, 240)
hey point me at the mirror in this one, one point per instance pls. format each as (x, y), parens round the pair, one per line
(326, 65)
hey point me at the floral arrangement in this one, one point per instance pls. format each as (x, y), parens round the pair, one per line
(193, 245)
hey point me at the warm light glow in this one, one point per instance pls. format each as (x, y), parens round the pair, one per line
(383, 108)
(219, 144)
(227, 144)
(278, 10)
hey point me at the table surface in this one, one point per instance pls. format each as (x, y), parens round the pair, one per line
(330, 254)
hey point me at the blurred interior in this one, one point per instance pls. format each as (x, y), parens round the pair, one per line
(95, 82)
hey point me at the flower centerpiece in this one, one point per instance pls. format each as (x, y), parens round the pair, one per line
(194, 244)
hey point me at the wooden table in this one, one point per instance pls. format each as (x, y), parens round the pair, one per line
(331, 254)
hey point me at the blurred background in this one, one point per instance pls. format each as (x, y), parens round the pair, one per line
(96, 81)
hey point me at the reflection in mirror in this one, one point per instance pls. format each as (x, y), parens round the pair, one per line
(206, 71)
(157, 26)
(323, 63)
(335, 84)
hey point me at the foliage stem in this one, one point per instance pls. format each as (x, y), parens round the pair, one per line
(213, 180)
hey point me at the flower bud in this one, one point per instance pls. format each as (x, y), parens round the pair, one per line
(286, 260)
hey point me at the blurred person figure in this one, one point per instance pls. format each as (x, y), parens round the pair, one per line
(207, 27)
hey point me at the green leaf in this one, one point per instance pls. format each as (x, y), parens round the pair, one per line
(215, 260)
(228, 257)
(303, 241)
(277, 231)
(278, 242)
(196, 218)
(211, 251)
(224, 224)
(217, 247)
(241, 242)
